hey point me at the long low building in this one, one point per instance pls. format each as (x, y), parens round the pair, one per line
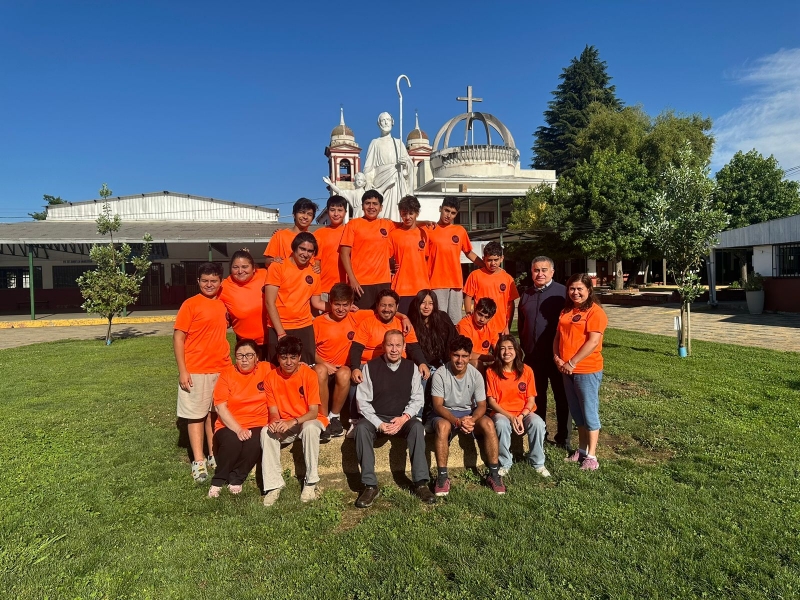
(775, 248)
(57, 249)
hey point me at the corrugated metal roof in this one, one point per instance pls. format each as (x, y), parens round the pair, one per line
(85, 232)
(777, 231)
(163, 206)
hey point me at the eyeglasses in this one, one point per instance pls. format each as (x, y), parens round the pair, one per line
(248, 356)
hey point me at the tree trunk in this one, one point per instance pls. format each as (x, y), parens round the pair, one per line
(744, 273)
(682, 340)
(664, 269)
(618, 275)
(108, 331)
(688, 328)
(645, 270)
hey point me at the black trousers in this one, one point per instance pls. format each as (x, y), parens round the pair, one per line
(412, 430)
(544, 371)
(235, 458)
(306, 335)
(370, 295)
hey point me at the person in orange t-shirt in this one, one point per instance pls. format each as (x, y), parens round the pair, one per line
(334, 332)
(241, 404)
(409, 245)
(446, 242)
(577, 352)
(293, 288)
(492, 282)
(243, 295)
(293, 399)
(365, 251)
(279, 247)
(368, 341)
(201, 350)
(476, 328)
(329, 239)
(511, 395)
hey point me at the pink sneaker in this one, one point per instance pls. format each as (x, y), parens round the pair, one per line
(235, 489)
(213, 491)
(442, 490)
(590, 464)
(576, 457)
(498, 487)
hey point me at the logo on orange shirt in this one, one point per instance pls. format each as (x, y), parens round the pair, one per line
(486, 343)
(502, 287)
(302, 391)
(422, 244)
(455, 239)
(576, 318)
(260, 386)
(522, 386)
(309, 279)
(351, 335)
(384, 233)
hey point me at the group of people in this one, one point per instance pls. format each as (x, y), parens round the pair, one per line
(358, 329)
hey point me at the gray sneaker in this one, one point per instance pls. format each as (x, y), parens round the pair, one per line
(199, 471)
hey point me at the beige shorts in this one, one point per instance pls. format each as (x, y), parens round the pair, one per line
(197, 403)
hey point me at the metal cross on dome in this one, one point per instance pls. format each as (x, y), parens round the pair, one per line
(469, 99)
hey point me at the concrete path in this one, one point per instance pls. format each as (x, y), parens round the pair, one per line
(729, 324)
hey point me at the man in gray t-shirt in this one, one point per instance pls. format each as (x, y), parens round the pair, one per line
(459, 406)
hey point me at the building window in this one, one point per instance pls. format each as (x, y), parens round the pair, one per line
(788, 260)
(19, 278)
(345, 170)
(66, 276)
(185, 273)
(484, 219)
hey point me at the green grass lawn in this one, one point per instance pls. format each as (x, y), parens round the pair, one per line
(697, 495)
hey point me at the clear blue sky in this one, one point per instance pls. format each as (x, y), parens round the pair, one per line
(236, 100)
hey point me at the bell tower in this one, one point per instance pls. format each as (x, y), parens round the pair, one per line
(344, 155)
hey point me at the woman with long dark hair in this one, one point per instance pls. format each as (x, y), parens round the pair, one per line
(511, 396)
(577, 352)
(433, 327)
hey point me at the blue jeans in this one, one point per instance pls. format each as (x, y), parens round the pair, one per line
(534, 429)
(583, 396)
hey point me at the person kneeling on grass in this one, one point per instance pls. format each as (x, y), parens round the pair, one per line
(511, 393)
(241, 404)
(293, 400)
(459, 403)
(389, 396)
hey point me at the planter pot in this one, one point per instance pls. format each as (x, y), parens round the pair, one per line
(755, 302)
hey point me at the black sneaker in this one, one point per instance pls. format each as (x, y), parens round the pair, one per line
(325, 436)
(367, 497)
(424, 493)
(335, 428)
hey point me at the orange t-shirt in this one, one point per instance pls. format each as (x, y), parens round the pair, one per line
(245, 304)
(500, 287)
(206, 348)
(511, 394)
(245, 395)
(333, 338)
(445, 247)
(371, 332)
(295, 288)
(371, 249)
(295, 394)
(280, 244)
(574, 327)
(410, 251)
(482, 339)
(329, 239)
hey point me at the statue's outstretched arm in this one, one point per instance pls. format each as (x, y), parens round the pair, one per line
(332, 185)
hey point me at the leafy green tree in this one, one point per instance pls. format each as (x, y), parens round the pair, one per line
(752, 189)
(612, 129)
(51, 201)
(666, 141)
(599, 209)
(583, 83)
(684, 223)
(108, 289)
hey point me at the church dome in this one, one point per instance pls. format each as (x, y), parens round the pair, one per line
(417, 134)
(341, 130)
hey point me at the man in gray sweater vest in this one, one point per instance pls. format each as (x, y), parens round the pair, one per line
(389, 397)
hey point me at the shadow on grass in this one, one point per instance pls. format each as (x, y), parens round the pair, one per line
(129, 332)
(648, 350)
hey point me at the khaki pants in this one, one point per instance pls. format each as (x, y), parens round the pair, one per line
(271, 457)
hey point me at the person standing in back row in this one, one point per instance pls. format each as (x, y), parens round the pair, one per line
(446, 242)
(539, 309)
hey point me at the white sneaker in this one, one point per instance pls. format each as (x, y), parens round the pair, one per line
(213, 491)
(199, 471)
(211, 462)
(543, 471)
(272, 496)
(310, 493)
(502, 472)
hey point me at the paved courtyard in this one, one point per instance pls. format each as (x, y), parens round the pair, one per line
(727, 324)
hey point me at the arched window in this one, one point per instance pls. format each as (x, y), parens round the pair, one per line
(345, 170)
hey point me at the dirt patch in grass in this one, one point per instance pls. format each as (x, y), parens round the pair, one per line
(615, 446)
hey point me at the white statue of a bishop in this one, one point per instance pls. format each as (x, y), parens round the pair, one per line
(387, 167)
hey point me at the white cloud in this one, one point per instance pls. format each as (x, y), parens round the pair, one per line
(769, 119)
